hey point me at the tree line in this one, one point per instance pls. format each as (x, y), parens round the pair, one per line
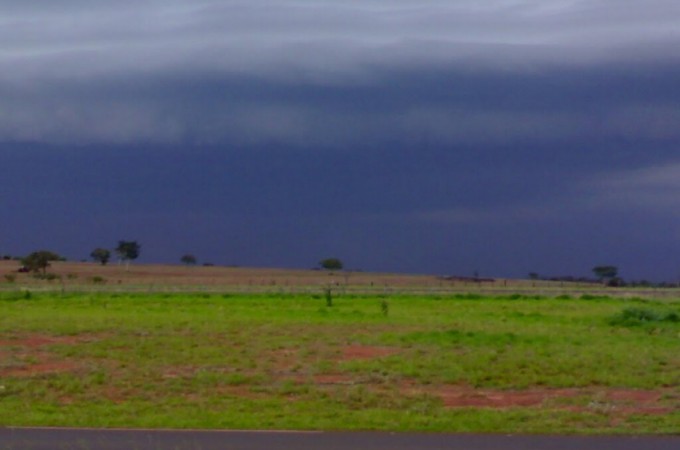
(37, 262)
(607, 275)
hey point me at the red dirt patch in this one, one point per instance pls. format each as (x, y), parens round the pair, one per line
(459, 397)
(39, 340)
(39, 369)
(623, 401)
(354, 352)
(30, 359)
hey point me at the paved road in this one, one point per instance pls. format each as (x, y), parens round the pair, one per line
(76, 439)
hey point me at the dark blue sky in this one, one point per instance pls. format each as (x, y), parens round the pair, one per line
(506, 138)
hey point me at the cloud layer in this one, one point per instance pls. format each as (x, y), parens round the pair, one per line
(513, 134)
(329, 39)
(171, 71)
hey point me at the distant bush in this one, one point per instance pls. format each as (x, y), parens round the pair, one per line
(641, 316)
(593, 297)
(384, 307)
(331, 264)
(47, 276)
(188, 259)
(98, 280)
(468, 296)
(10, 277)
(328, 294)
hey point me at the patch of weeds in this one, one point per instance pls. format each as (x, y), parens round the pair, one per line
(594, 297)
(522, 297)
(97, 280)
(451, 337)
(239, 379)
(384, 307)
(631, 317)
(468, 296)
(47, 276)
(290, 388)
(328, 294)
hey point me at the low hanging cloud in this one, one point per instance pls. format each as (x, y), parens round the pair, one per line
(651, 189)
(274, 37)
(108, 114)
(85, 72)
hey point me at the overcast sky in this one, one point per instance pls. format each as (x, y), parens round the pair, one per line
(437, 136)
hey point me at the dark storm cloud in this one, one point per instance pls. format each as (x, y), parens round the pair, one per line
(67, 69)
(514, 134)
(446, 105)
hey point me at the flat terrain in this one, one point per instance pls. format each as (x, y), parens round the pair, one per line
(77, 276)
(388, 361)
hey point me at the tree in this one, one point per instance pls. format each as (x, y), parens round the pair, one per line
(188, 259)
(39, 261)
(331, 264)
(101, 255)
(128, 251)
(605, 272)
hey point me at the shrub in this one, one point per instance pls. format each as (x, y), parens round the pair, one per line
(384, 307)
(10, 277)
(98, 280)
(47, 276)
(39, 261)
(642, 316)
(329, 296)
(331, 264)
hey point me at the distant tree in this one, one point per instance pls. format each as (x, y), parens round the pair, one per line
(189, 260)
(128, 251)
(101, 255)
(616, 282)
(605, 272)
(533, 276)
(331, 264)
(39, 261)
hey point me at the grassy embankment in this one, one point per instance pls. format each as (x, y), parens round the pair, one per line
(456, 363)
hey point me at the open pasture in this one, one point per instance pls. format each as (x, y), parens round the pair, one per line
(91, 277)
(460, 363)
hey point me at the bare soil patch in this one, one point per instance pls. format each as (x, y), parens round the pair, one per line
(33, 341)
(29, 357)
(624, 401)
(40, 368)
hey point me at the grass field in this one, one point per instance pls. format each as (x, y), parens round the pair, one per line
(462, 363)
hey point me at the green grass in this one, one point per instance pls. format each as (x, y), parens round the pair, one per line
(264, 361)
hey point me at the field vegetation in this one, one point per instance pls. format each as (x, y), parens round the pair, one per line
(458, 363)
